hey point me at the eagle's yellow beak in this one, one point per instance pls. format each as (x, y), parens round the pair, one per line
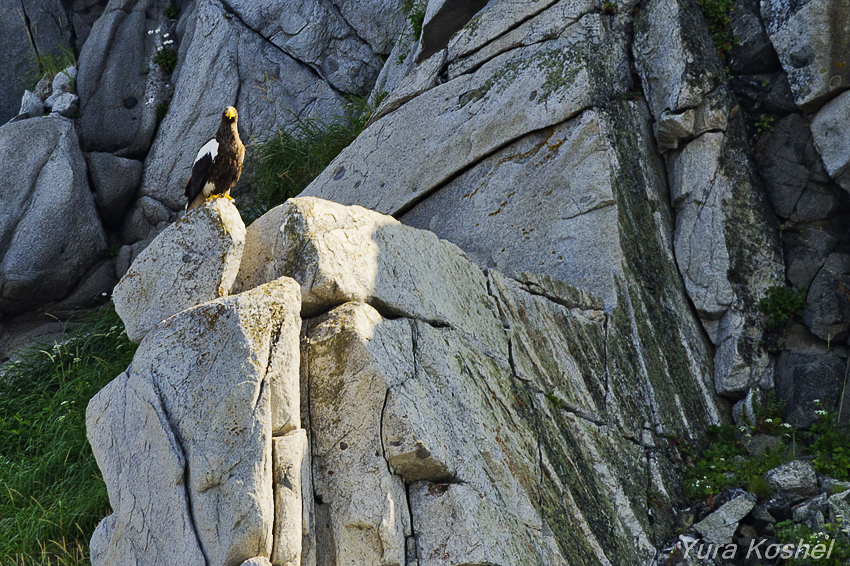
(230, 113)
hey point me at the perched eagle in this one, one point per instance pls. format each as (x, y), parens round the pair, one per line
(219, 163)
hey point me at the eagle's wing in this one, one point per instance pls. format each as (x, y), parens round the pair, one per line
(201, 170)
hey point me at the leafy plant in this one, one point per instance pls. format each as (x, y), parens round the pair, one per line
(789, 532)
(49, 65)
(171, 11)
(290, 160)
(831, 446)
(781, 304)
(51, 493)
(764, 123)
(166, 57)
(725, 463)
(717, 18)
(554, 400)
(609, 8)
(161, 110)
(414, 11)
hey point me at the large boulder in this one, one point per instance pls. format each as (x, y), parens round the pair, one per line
(342, 254)
(827, 311)
(832, 138)
(184, 436)
(193, 261)
(118, 84)
(810, 40)
(50, 233)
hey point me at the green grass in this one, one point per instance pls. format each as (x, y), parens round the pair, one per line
(291, 159)
(51, 492)
(166, 57)
(49, 65)
(717, 19)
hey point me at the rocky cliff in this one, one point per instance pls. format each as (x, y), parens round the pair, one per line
(547, 258)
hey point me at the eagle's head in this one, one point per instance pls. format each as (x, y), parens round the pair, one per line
(229, 115)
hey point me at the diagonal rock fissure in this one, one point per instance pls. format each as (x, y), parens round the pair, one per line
(411, 204)
(311, 68)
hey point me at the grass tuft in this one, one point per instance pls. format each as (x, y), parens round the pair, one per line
(49, 65)
(290, 160)
(51, 493)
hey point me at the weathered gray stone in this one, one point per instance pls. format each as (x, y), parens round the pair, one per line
(795, 181)
(117, 99)
(292, 496)
(342, 254)
(145, 480)
(839, 508)
(94, 289)
(65, 104)
(833, 140)
(32, 105)
(84, 13)
(809, 376)
(794, 481)
(461, 121)
(317, 34)
(827, 311)
(719, 526)
(231, 66)
(184, 438)
(549, 24)
(143, 216)
(115, 180)
(805, 253)
(811, 512)
(674, 56)
(724, 225)
(710, 115)
(19, 58)
(50, 235)
(516, 211)
(422, 77)
(810, 41)
(193, 261)
(751, 52)
(499, 17)
(362, 517)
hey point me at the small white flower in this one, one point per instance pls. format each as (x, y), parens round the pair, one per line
(168, 42)
(103, 294)
(150, 32)
(820, 412)
(816, 401)
(786, 425)
(157, 30)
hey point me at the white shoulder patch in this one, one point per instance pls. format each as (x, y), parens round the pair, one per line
(210, 147)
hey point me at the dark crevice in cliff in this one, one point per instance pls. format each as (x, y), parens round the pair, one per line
(28, 28)
(310, 67)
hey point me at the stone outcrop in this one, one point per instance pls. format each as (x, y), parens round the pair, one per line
(50, 233)
(184, 436)
(193, 261)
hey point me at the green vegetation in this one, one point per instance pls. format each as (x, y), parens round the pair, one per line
(414, 11)
(609, 8)
(789, 532)
(161, 111)
(166, 57)
(51, 492)
(781, 304)
(764, 123)
(725, 463)
(554, 400)
(716, 14)
(171, 11)
(831, 447)
(48, 65)
(291, 159)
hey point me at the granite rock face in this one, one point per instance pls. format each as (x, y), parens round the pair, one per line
(184, 436)
(193, 261)
(50, 233)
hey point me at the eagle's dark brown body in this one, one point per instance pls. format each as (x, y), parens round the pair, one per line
(219, 163)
